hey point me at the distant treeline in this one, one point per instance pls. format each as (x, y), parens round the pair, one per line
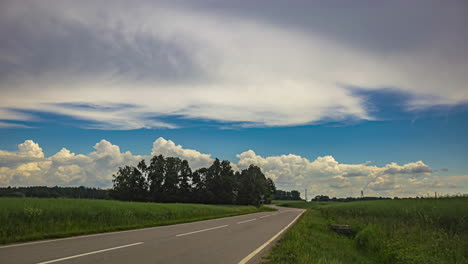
(324, 198)
(55, 192)
(170, 179)
(284, 195)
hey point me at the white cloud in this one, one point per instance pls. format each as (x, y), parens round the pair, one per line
(12, 125)
(324, 175)
(180, 59)
(168, 148)
(28, 166)
(30, 149)
(340, 182)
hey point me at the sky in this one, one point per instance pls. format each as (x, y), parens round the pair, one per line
(331, 97)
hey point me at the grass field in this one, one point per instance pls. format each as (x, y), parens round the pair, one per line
(388, 231)
(24, 219)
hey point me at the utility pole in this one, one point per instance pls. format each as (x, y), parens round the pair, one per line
(306, 194)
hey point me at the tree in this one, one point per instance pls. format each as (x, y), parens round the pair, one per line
(171, 179)
(253, 187)
(212, 182)
(129, 185)
(185, 188)
(295, 195)
(156, 173)
(228, 184)
(220, 183)
(284, 195)
(200, 193)
(272, 188)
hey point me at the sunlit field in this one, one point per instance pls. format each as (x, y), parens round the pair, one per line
(388, 231)
(24, 219)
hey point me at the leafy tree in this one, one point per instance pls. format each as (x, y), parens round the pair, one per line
(272, 188)
(156, 172)
(171, 179)
(129, 185)
(220, 183)
(185, 178)
(199, 189)
(228, 184)
(295, 195)
(253, 187)
(284, 195)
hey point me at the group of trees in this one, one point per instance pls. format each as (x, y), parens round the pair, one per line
(325, 198)
(170, 179)
(284, 195)
(55, 192)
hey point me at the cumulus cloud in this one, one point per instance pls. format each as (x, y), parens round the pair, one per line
(29, 166)
(257, 62)
(324, 175)
(169, 149)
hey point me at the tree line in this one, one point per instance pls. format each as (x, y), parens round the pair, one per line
(170, 179)
(325, 198)
(55, 192)
(285, 195)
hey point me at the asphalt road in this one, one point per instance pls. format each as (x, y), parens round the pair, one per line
(238, 239)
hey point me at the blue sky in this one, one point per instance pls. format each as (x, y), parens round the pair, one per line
(434, 135)
(248, 82)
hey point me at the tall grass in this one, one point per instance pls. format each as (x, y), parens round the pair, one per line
(309, 241)
(395, 231)
(23, 219)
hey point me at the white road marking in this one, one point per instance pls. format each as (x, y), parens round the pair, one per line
(241, 222)
(265, 216)
(203, 230)
(255, 252)
(89, 253)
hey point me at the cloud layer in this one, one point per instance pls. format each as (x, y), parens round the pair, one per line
(324, 175)
(123, 65)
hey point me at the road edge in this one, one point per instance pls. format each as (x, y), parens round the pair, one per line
(267, 243)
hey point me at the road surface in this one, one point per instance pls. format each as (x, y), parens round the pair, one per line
(237, 239)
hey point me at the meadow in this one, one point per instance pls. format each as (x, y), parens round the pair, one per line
(25, 219)
(407, 231)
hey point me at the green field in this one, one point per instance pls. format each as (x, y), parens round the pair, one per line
(387, 231)
(24, 219)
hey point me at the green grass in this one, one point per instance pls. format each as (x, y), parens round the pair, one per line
(299, 204)
(389, 231)
(310, 241)
(25, 219)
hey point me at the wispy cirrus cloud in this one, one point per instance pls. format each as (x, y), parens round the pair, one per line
(236, 63)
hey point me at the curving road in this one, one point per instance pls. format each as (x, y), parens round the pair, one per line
(237, 239)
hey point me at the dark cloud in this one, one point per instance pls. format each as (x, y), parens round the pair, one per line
(354, 174)
(94, 107)
(43, 42)
(201, 59)
(383, 26)
(409, 170)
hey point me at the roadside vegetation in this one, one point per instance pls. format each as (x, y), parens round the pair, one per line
(405, 231)
(163, 192)
(24, 219)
